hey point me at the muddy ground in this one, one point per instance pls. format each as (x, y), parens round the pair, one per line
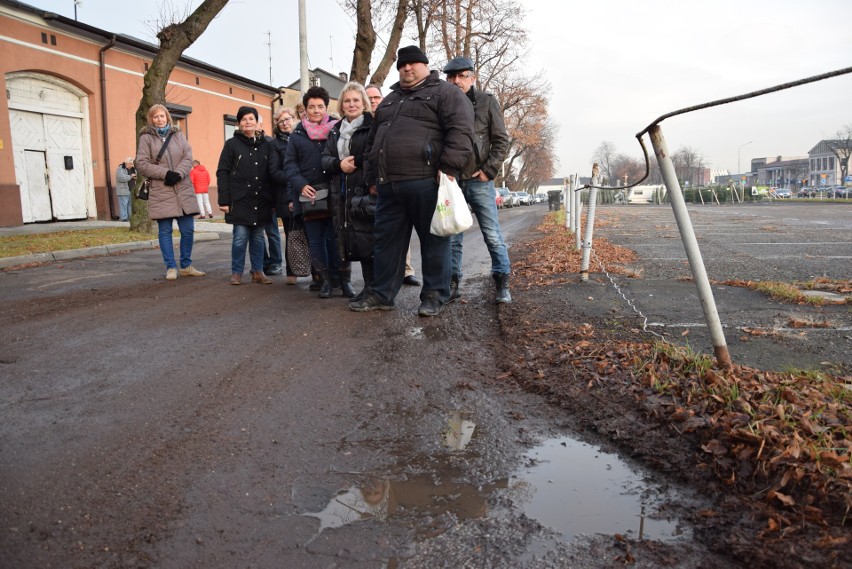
(194, 424)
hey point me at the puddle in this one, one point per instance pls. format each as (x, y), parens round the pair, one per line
(428, 505)
(431, 333)
(459, 431)
(576, 489)
(429, 502)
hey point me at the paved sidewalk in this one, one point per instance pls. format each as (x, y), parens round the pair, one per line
(204, 231)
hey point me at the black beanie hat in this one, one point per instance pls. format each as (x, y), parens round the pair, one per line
(246, 110)
(410, 54)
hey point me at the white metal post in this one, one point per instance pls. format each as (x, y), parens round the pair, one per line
(690, 244)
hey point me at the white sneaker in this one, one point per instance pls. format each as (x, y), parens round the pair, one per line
(191, 271)
(171, 275)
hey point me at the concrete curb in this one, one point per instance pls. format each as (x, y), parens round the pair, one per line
(98, 251)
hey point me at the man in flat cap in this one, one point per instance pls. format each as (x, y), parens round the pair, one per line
(424, 126)
(491, 143)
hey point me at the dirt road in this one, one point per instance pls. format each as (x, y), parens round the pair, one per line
(196, 424)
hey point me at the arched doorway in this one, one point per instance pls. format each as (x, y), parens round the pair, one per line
(51, 147)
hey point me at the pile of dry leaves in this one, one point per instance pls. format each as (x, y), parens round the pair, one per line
(780, 442)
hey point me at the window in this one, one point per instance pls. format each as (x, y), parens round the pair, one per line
(831, 162)
(230, 126)
(824, 163)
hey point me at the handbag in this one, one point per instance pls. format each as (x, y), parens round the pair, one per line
(297, 250)
(452, 214)
(317, 207)
(145, 188)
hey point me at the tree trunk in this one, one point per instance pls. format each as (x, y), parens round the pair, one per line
(174, 40)
(365, 42)
(389, 57)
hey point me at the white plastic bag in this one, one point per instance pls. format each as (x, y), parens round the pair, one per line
(451, 212)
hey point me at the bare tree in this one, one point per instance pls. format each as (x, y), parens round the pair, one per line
(175, 38)
(688, 163)
(842, 149)
(391, 15)
(605, 157)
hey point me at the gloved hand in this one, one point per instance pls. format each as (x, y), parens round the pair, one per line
(172, 178)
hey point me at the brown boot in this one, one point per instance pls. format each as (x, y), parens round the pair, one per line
(236, 278)
(260, 278)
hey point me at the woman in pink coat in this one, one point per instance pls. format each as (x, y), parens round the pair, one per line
(172, 197)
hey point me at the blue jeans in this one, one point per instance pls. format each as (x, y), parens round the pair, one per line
(251, 235)
(480, 196)
(186, 225)
(402, 206)
(123, 208)
(323, 244)
(272, 255)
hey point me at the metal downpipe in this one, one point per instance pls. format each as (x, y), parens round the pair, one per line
(690, 244)
(105, 123)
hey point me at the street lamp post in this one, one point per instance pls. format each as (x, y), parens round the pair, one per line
(739, 171)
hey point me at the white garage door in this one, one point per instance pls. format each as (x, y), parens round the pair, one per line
(48, 134)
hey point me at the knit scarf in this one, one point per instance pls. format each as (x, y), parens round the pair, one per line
(163, 131)
(318, 131)
(346, 130)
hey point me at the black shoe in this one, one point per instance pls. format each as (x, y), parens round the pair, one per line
(454, 289)
(347, 290)
(502, 282)
(411, 280)
(369, 302)
(272, 270)
(430, 306)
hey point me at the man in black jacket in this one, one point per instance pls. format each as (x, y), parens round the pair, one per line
(424, 126)
(491, 143)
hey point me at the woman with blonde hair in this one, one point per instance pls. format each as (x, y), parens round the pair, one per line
(165, 158)
(355, 210)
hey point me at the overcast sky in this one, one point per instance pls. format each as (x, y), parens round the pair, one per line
(614, 65)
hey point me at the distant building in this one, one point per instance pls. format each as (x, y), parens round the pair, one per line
(783, 172)
(292, 94)
(823, 165)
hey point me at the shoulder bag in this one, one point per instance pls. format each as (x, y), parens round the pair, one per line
(319, 206)
(145, 189)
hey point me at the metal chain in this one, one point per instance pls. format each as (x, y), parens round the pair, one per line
(627, 300)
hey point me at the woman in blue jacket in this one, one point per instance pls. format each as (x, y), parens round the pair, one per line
(305, 175)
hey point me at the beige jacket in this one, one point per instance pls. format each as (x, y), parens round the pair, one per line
(167, 201)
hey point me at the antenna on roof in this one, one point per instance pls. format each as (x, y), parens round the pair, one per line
(269, 47)
(76, 3)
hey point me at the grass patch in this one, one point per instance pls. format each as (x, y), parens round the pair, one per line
(16, 245)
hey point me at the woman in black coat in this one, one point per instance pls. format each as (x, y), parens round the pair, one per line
(344, 157)
(305, 175)
(246, 193)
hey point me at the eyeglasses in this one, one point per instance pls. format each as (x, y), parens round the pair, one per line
(283, 120)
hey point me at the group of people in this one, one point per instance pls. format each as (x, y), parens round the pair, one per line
(358, 185)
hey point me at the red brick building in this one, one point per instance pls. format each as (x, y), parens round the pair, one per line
(68, 119)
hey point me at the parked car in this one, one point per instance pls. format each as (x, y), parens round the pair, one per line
(783, 193)
(505, 198)
(806, 193)
(523, 198)
(512, 201)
